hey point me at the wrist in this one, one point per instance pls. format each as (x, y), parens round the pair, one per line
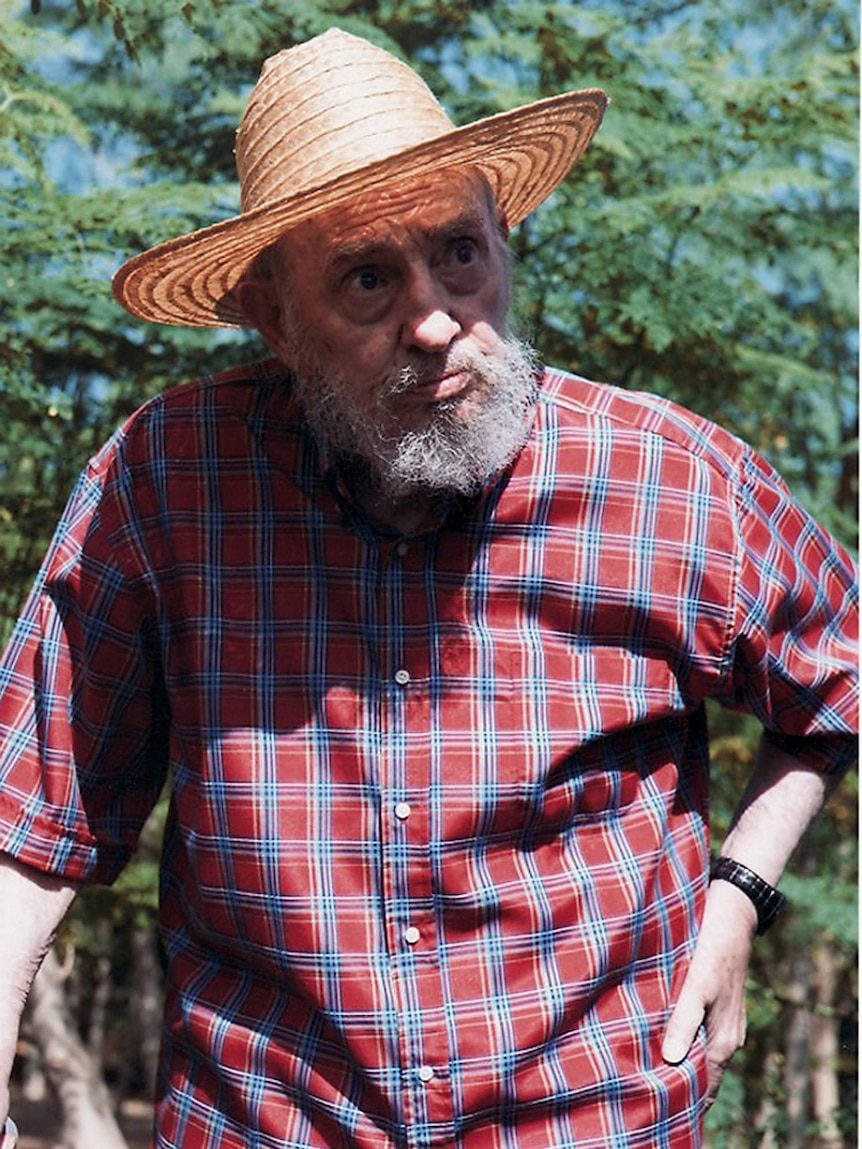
(730, 905)
(764, 900)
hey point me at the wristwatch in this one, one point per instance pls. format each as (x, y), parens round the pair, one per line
(768, 901)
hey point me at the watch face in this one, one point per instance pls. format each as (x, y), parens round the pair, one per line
(766, 899)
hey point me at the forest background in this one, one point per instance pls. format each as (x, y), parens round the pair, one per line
(705, 249)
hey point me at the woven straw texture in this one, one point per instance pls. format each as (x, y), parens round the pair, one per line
(331, 119)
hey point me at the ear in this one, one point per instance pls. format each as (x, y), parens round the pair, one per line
(260, 304)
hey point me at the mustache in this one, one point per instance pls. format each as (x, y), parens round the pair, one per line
(422, 368)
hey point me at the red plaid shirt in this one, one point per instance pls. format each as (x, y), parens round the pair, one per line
(438, 837)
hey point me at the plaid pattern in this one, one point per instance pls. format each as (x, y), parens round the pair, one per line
(438, 843)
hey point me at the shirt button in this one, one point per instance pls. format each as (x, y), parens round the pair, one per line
(402, 548)
(402, 810)
(411, 935)
(402, 676)
(425, 1073)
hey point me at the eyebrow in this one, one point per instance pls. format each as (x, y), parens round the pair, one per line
(370, 251)
(354, 253)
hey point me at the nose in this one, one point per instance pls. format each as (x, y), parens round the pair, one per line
(435, 332)
(428, 324)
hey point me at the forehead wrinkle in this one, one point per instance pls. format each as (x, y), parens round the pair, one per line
(469, 220)
(369, 250)
(358, 251)
(367, 214)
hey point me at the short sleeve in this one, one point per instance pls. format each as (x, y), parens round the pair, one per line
(795, 641)
(83, 716)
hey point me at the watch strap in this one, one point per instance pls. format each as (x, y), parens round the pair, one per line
(768, 901)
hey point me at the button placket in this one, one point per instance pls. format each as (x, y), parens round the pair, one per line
(406, 653)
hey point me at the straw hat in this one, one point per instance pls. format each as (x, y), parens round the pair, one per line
(328, 120)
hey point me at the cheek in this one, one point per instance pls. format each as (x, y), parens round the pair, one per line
(494, 304)
(361, 361)
(489, 332)
(504, 297)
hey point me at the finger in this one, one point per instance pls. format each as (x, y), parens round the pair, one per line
(715, 1075)
(9, 1135)
(722, 1043)
(682, 1028)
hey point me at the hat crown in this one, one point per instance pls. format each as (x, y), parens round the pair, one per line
(325, 108)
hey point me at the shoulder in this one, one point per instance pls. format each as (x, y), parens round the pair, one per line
(212, 415)
(576, 403)
(237, 394)
(171, 460)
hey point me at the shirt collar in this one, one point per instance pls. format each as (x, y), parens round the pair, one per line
(449, 513)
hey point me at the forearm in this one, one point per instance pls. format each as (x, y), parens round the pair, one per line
(782, 798)
(776, 809)
(32, 905)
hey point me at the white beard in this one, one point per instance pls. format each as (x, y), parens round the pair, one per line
(453, 453)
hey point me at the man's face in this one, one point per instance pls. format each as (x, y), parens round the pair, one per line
(414, 277)
(391, 312)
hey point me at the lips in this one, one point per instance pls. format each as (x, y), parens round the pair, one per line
(438, 390)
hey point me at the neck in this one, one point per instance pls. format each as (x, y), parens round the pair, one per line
(407, 514)
(405, 517)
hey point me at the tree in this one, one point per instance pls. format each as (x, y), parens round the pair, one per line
(704, 249)
(85, 1106)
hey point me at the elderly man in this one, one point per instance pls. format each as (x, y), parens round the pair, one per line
(422, 635)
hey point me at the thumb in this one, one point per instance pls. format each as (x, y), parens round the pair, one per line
(683, 1025)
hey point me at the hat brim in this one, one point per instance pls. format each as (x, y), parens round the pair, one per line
(525, 154)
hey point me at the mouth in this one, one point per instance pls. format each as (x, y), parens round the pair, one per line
(442, 389)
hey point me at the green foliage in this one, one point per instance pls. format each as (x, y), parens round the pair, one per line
(828, 906)
(723, 1116)
(705, 248)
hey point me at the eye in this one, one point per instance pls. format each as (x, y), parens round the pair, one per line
(365, 280)
(464, 263)
(463, 251)
(365, 293)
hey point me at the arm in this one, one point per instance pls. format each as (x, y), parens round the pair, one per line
(33, 905)
(780, 802)
(793, 664)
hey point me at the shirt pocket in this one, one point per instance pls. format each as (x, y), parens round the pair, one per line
(611, 719)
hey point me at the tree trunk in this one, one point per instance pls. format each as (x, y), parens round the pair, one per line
(766, 1110)
(34, 1086)
(797, 1045)
(147, 976)
(87, 1115)
(825, 1043)
(102, 990)
(147, 1000)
